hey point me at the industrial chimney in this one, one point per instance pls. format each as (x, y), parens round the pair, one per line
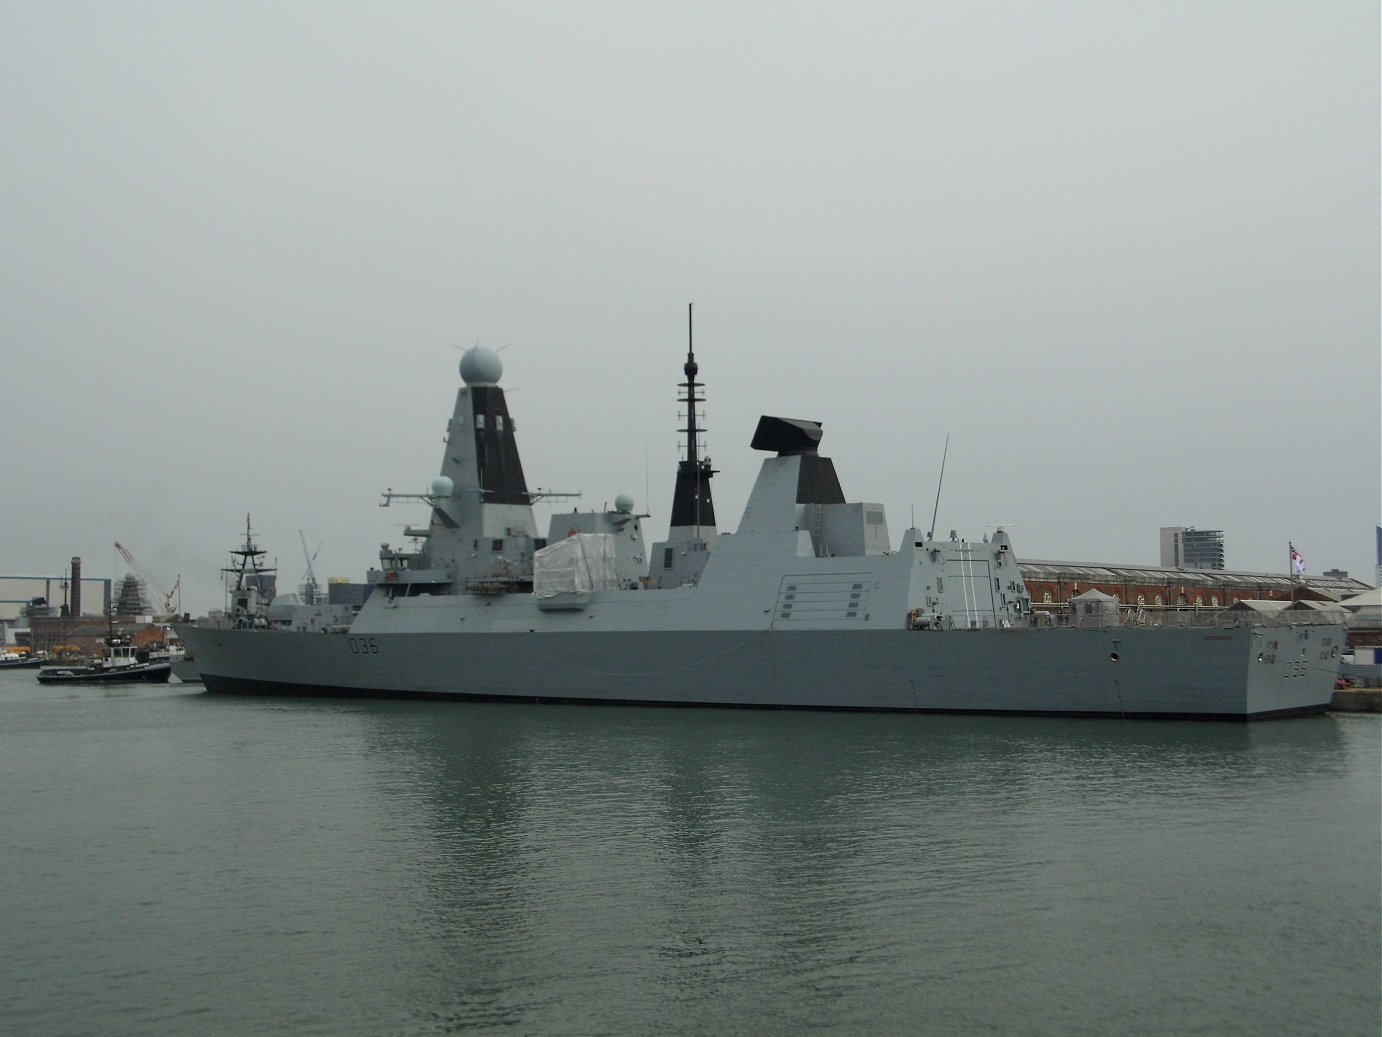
(76, 586)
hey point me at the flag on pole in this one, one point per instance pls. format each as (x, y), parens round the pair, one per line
(1297, 562)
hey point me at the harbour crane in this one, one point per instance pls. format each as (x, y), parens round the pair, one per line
(309, 586)
(171, 601)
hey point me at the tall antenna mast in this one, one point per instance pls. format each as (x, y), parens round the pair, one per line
(931, 534)
(691, 368)
(691, 503)
(691, 434)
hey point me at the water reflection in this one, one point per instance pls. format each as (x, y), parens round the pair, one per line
(695, 858)
(395, 867)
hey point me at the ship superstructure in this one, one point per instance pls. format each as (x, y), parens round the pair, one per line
(250, 583)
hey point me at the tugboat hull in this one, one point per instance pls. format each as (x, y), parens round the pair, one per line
(153, 673)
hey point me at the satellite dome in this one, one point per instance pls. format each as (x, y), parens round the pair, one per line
(481, 366)
(442, 486)
(623, 503)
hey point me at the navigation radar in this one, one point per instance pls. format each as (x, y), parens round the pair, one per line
(481, 366)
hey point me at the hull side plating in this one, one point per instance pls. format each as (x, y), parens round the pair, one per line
(1201, 673)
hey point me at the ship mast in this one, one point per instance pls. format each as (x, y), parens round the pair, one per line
(251, 577)
(692, 505)
(691, 399)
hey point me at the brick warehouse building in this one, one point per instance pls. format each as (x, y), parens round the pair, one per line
(1053, 584)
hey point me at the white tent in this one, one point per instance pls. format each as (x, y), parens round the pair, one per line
(581, 563)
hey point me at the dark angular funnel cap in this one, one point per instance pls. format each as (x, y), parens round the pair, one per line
(787, 436)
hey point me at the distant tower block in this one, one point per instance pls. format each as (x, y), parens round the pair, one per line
(1185, 547)
(76, 597)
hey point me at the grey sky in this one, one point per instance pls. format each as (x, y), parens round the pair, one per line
(1126, 255)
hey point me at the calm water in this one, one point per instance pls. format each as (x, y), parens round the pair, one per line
(174, 862)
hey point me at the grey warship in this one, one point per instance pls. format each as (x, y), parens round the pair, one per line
(807, 604)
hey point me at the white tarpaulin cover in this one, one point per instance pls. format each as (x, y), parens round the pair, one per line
(580, 563)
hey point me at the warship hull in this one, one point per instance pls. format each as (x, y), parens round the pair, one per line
(1204, 673)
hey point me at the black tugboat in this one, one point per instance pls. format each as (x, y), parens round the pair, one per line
(120, 663)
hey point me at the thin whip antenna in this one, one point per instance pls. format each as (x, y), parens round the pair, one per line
(939, 482)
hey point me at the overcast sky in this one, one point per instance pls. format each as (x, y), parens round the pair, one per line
(1126, 255)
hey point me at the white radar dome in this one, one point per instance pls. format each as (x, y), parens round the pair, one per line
(481, 366)
(623, 503)
(442, 486)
